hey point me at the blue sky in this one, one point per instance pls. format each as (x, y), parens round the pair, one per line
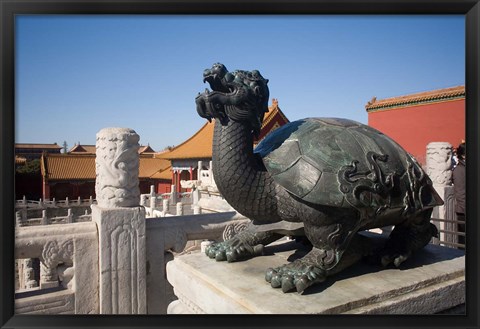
(78, 74)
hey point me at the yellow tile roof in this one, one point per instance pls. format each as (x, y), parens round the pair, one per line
(273, 111)
(68, 167)
(199, 146)
(145, 149)
(165, 174)
(150, 166)
(37, 146)
(91, 149)
(82, 166)
(83, 149)
(412, 99)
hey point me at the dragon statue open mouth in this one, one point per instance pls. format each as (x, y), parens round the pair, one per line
(238, 95)
(324, 178)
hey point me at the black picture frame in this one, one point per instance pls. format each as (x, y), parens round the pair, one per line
(10, 8)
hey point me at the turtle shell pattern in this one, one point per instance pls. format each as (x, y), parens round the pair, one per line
(343, 163)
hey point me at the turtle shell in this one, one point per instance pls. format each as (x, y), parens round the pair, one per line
(343, 163)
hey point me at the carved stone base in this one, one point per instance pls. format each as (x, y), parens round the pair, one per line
(122, 259)
(430, 282)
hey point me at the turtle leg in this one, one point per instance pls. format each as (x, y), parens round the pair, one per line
(245, 244)
(336, 246)
(408, 237)
(312, 268)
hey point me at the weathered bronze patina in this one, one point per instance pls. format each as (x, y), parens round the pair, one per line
(325, 178)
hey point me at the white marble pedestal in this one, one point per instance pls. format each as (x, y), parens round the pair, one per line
(430, 282)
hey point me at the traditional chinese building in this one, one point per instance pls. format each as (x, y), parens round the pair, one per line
(417, 119)
(185, 157)
(27, 169)
(73, 175)
(68, 176)
(32, 151)
(91, 149)
(82, 149)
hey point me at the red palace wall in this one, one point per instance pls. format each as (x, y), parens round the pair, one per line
(415, 126)
(164, 186)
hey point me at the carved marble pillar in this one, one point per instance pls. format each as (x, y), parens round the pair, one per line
(121, 223)
(29, 274)
(117, 164)
(439, 163)
(439, 169)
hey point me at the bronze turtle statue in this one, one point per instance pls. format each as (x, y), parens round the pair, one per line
(324, 178)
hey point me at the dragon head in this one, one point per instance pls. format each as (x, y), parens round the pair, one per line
(241, 96)
(217, 77)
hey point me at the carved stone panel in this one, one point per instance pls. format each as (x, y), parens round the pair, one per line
(53, 255)
(122, 259)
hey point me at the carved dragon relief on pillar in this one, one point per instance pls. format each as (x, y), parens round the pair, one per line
(439, 163)
(117, 166)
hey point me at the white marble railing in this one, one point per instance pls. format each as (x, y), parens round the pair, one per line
(43, 204)
(68, 280)
(173, 234)
(22, 220)
(69, 259)
(168, 204)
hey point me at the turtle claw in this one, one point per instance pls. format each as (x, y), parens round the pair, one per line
(269, 274)
(396, 259)
(244, 245)
(233, 250)
(220, 256)
(276, 281)
(287, 283)
(298, 275)
(303, 284)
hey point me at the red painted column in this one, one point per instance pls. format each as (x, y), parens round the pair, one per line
(179, 174)
(46, 189)
(191, 177)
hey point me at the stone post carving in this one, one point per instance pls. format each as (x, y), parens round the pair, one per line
(179, 209)
(69, 216)
(153, 199)
(117, 165)
(44, 217)
(439, 163)
(439, 169)
(121, 223)
(29, 276)
(173, 195)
